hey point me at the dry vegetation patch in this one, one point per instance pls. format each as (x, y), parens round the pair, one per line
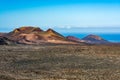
(59, 62)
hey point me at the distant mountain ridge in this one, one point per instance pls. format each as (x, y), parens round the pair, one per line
(35, 35)
(94, 39)
(2, 34)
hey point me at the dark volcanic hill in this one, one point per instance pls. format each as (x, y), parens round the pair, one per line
(2, 41)
(94, 39)
(34, 35)
(6, 41)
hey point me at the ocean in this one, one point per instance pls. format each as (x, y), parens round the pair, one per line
(107, 36)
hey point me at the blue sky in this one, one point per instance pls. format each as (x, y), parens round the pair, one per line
(102, 16)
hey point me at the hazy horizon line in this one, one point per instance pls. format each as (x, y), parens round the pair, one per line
(71, 29)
